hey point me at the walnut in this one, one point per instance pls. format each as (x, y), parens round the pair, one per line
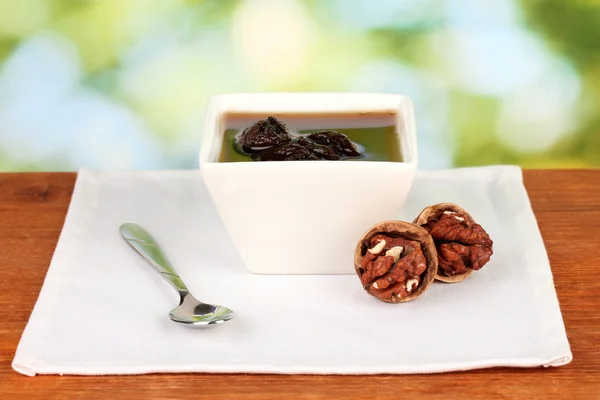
(396, 261)
(321, 151)
(463, 246)
(262, 135)
(286, 152)
(337, 141)
(270, 140)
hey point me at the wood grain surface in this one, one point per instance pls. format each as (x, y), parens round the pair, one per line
(566, 204)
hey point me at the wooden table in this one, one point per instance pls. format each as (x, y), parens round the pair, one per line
(566, 203)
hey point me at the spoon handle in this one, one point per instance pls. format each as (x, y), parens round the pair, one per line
(147, 247)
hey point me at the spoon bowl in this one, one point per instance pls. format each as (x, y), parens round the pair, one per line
(190, 310)
(194, 312)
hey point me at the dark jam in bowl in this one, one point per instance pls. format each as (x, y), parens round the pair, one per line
(365, 136)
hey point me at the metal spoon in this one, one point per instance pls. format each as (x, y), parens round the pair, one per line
(190, 311)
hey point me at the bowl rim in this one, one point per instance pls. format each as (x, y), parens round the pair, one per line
(273, 102)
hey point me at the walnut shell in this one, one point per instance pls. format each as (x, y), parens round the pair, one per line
(437, 209)
(404, 230)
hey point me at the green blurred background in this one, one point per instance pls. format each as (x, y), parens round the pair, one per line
(114, 84)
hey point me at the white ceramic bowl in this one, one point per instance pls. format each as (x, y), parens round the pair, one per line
(305, 217)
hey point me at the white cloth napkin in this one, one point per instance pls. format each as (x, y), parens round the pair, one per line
(103, 310)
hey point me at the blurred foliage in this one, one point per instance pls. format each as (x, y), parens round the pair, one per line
(146, 68)
(474, 117)
(573, 29)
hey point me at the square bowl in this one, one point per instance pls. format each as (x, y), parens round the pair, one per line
(305, 217)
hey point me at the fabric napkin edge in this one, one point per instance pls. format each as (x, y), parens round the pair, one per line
(272, 369)
(551, 320)
(27, 365)
(23, 362)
